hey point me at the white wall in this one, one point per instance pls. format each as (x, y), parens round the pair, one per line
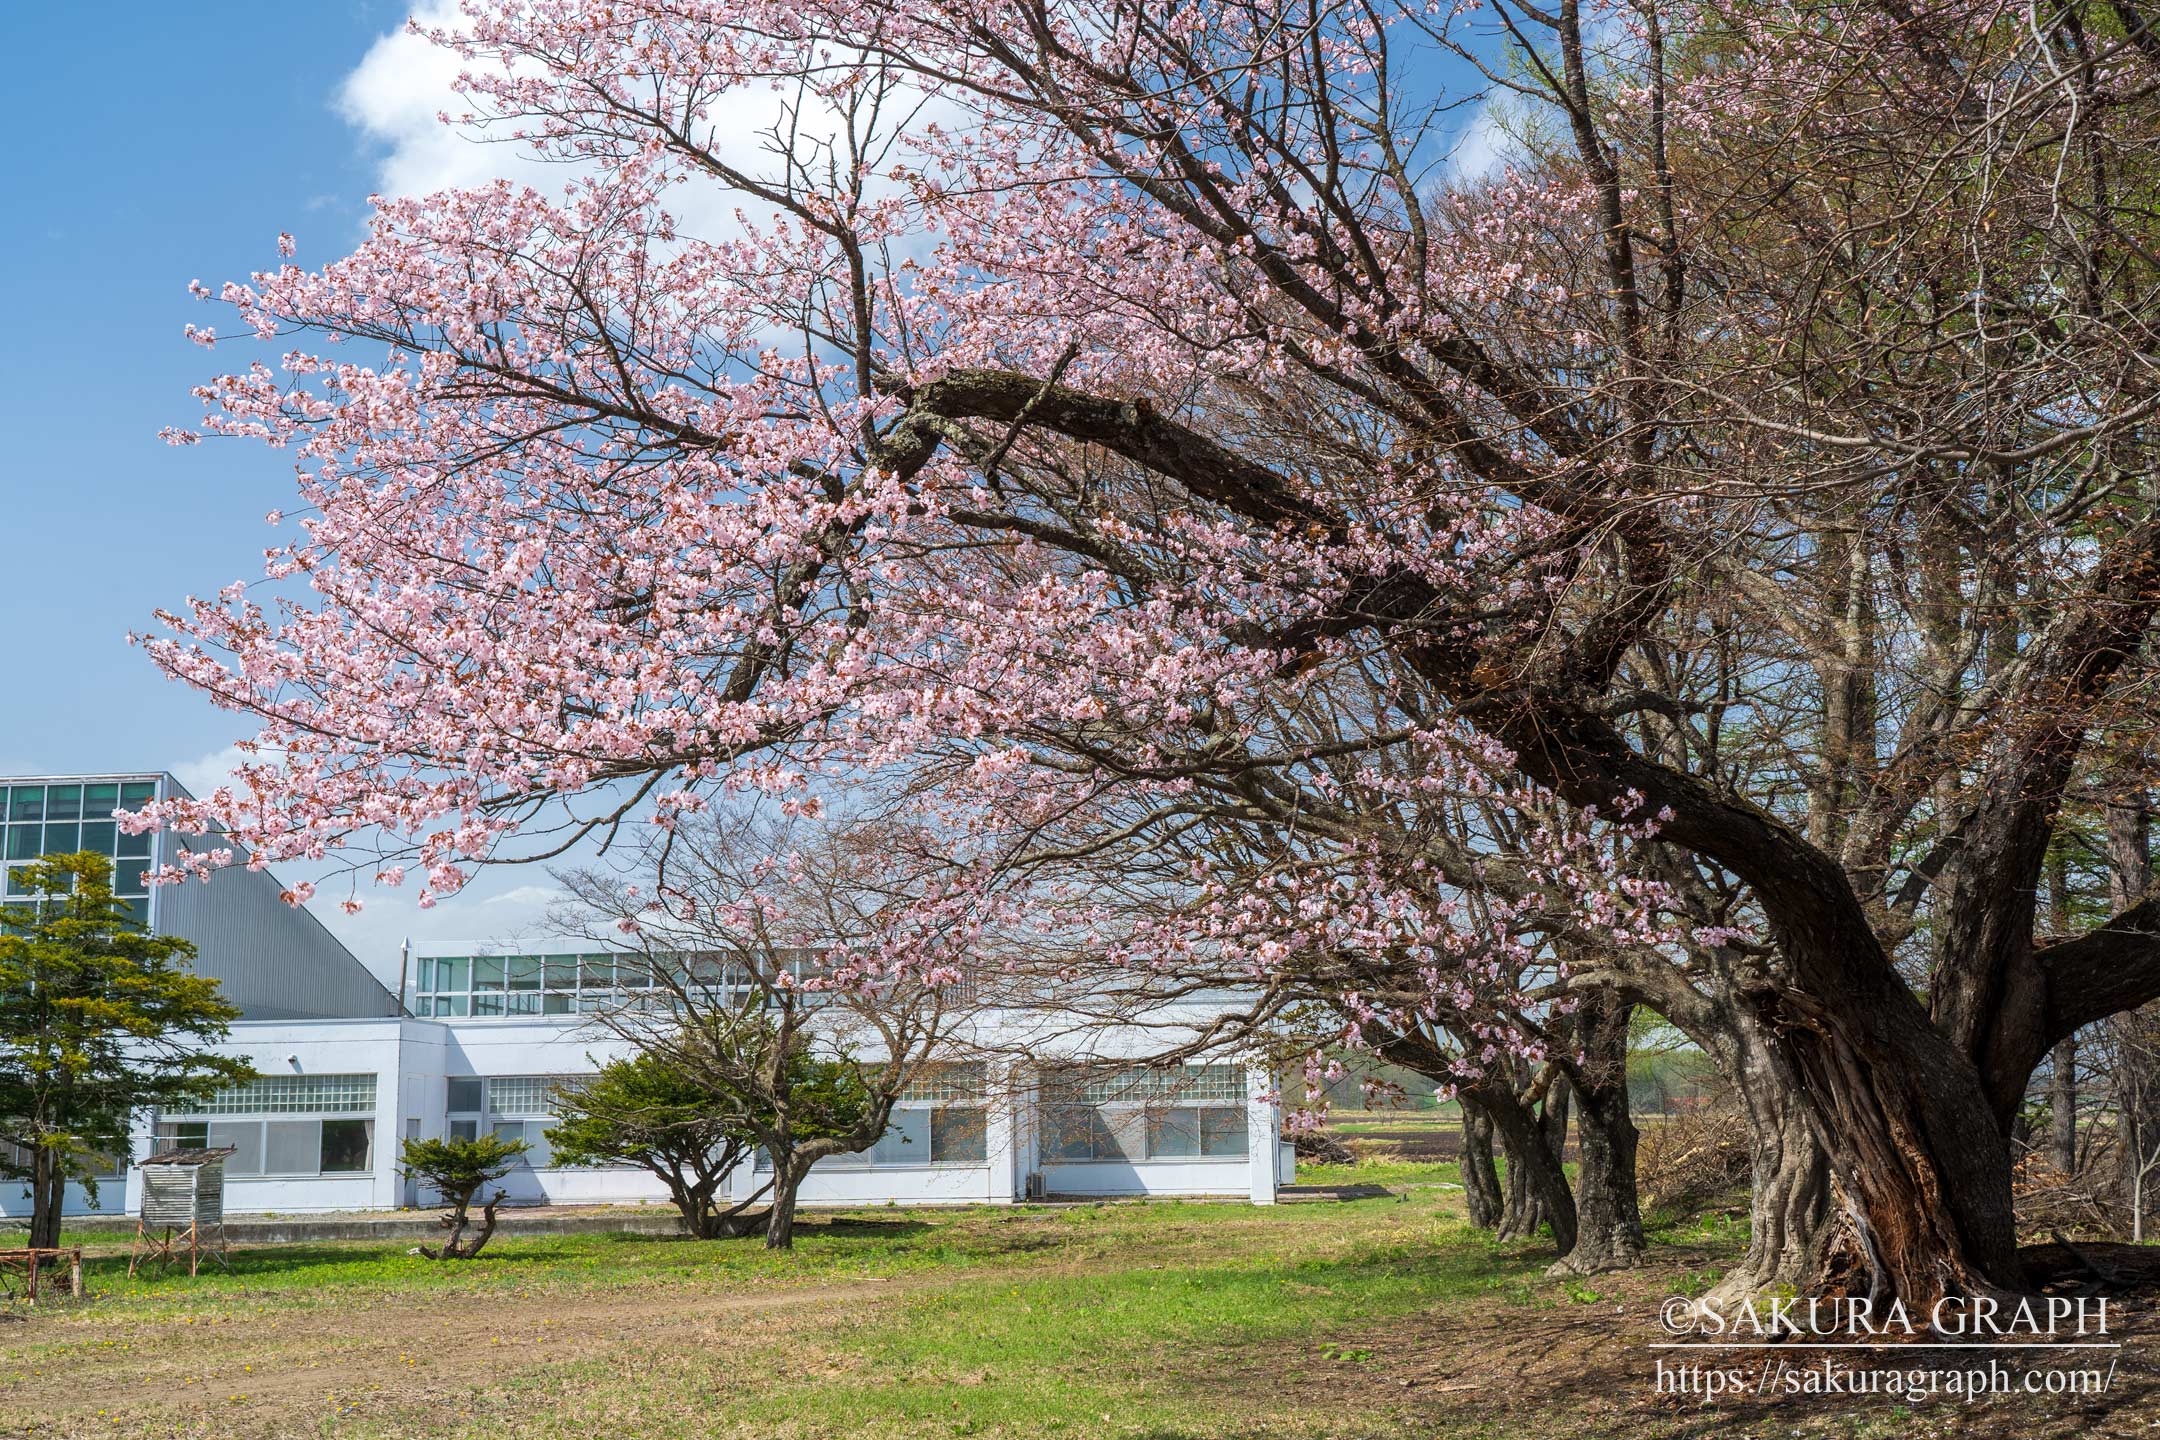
(413, 1060)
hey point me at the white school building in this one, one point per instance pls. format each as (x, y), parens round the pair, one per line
(481, 1042)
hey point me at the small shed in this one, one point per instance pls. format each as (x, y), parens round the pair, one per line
(183, 1208)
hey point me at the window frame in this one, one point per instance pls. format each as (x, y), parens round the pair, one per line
(1127, 1106)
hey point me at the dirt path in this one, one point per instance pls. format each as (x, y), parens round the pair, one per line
(280, 1372)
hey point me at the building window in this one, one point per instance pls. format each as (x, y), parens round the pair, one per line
(449, 986)
(115, 1165)
(295, 1095)
(45, 819)
(1193, 1112)
(941, 1118)
(287, 1146)
(513, 1107)
(284, 1125)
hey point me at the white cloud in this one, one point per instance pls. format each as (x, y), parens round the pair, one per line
(403, 85)
(1483, 147)
(396, 96)
(205, 773)
(525, 896)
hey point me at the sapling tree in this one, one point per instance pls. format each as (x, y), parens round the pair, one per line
(798, 973)
(458, 1169)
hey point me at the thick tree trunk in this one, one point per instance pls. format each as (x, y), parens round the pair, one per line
(780, 1219)
(1913, 1140)
(1608, 1214)
(1536, 1192)
(2062, 1105)
(1480, 1180)
(1789, 1173)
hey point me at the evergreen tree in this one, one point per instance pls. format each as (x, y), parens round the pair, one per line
(98, 1019)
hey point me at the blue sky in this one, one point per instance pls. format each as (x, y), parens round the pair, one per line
(171, 143)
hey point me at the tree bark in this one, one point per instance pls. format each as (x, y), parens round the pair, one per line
(1608, 1213)
(1536, 1191)
(1788, 1172)
(48, 1192)
(1480, 1180)
(780, 1219)
(1912, 1141)
(2062, 1105)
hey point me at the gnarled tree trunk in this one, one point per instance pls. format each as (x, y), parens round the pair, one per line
(780, 1219)
(1789, 1170)
(1608, 1214)
(1536, 1193)
(1480, 1179)
(1912, 1139)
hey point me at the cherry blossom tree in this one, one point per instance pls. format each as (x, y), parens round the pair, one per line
(1752, 476)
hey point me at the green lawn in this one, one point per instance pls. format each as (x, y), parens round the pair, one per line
(1384, 1316)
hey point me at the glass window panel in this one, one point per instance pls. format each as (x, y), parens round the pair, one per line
(426, 982)
(62, 839)
(18, 882)
(487, 972)
(450, 1004)
(139, 912)
(347, 1146)
(524, 972)
(450, 974)
(99, 835)
(634, 972)
(63, 802)
(1213, 1082)
(906, 1140)
(596, 972)
(538, 1153)
(464, 1129)
(27, 802)
(1223, 1131)
(487, 1004)
(944, 1084)
(184, 1134)
(958, 1135)
(246, 1138)
(561, 972)
(138, 793)
(522, 1094)
(468, 1095)
(512, 1130)
(134, 844)
(555, 1004)
(1173, 1133)
(294, 1095)
(1069, 1132)
(518, 1004)
(424, 1006)
(22, 842)
(128, 877)
(1120, 1134)
(99, 801)
(292, 1147)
